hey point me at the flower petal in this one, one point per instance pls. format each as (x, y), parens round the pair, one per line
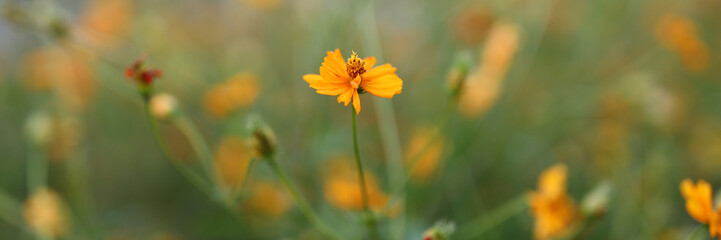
(334, 64)
(378, 72)
(356, 102)
(369, 62)
(345, 97)
(385, 86)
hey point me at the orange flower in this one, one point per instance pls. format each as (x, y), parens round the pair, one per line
(232, 159)
(342, 190)
(268, 199)
(698, 205)
(422, 155)
(678, 33)
(356, 76)
(238, 92)
(45, 213)
(698, 199)
(553, 209)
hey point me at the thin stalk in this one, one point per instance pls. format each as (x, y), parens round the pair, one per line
(482, 224)
(194, 178)
(37, 167)
(200, 146)
(300, 202)
(237, 193)
(369, 219)
(10, 211)
(696, 232)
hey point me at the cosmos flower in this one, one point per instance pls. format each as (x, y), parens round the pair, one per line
(349, 79)
(553, 209)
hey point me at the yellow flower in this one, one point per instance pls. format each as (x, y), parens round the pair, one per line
(342, 188)
(240, 91)
(422, 155)
(698, 205)
(163, 105)
(45, 214)
(107, 20)
(268, 199)
(698, 199)
(232, 159)
(678, 34)
(483, 86)
(554, 210)
(356, 76)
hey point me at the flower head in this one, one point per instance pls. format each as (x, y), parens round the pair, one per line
(698, 199)
(698, 204)
(143, 76)
(553, 209)
(356, 76)
(45, 214)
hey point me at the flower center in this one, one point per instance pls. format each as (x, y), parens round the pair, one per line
(355, 66)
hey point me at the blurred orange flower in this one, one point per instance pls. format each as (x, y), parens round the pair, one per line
(264, 4)
(698, 199)
(267, 199)
(342, 188)
(356, 76)
(232, 159)
(240, 91)
(482, 87)
(107, 20)
(678, 34)
(422, 155)
(698, 205)
(64, 69)
(45, 214)
(472, 24)
(553, 209)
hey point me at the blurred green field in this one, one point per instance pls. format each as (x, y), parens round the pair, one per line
(623, 93)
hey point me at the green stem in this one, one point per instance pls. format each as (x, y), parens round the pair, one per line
(696, 232)
(244, 186)
(193, 177)
(200, 146)
(300, 202)
(37, 167)
(486, 222)
(369, 219)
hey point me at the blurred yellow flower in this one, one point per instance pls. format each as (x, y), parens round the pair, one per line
(45, 214)
(356, 76)
(61, 68)
(422, 155)
(107, 20)
(232, 159)
(482, 87)
(342, 188)
(240, 91)
(698, 199)
(554, 210)
(472, 24)
(163, 104)
(678, 34)
(267, 199)
(699, 207)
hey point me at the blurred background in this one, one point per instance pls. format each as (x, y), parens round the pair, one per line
(495, 91)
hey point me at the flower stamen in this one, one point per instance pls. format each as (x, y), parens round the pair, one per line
(355, 66)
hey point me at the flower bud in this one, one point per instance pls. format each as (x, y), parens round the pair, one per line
(45, 214)
(163, 105)
(441, 230)
(38, 128)
(262, 138)
(595, 202)
(458, 73)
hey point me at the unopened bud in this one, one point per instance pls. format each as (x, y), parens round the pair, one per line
(262, 137)
(45, 214)
(38, 128)
(595, 202)
(458, 73)
(441, 230)
(163, 105)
